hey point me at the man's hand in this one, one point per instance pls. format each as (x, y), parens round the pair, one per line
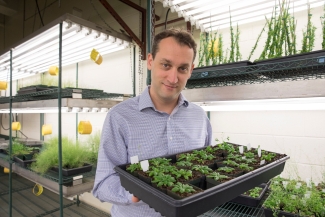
(135, 199)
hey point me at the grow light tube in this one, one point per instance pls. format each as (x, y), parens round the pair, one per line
(65, 59)
(290, 104)
(240, 22)
(69, 45)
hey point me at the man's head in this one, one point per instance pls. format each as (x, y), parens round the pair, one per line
(181, 36)
(171, 64)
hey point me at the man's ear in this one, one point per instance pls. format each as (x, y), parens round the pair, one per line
(149, 61)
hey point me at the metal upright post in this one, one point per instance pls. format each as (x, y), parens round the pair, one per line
(60, 130)
(134, 71)
(150, 31)
(77, 74)
(10, 139)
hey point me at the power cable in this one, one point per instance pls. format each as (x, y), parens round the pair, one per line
(166, 18)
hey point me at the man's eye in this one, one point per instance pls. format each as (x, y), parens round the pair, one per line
(183, 69)
(165, 65)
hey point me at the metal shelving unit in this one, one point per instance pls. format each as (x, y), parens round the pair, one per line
(301, 69)
(27, 204)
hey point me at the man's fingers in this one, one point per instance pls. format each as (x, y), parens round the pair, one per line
(135, 199)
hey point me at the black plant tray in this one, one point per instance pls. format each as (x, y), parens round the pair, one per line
(201, 202)
(269, 213)
(23, 163)
(74, 171)
(250, 201)
(320, 54)
(34, 89)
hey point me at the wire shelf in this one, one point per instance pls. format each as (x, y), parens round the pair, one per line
(303, 69)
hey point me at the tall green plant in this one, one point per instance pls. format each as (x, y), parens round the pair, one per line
(308, 35)
(322, 18)
(93, 142)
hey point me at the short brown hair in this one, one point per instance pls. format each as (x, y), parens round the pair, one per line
(181, 36)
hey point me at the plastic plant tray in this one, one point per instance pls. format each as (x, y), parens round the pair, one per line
(250, 201)
(201, 202)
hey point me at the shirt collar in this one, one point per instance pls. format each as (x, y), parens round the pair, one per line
(146, 102)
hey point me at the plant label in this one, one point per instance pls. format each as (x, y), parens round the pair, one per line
(262, 162)
(249, 147)
(144, 165)
(259, 152)
(241, 149)
(298, 185)
(285, 183)
(308, 182)
(134, 159)
(244, 157)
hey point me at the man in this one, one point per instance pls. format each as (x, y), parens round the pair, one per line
(158, 122)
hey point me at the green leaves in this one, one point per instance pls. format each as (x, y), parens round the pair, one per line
(182, 188)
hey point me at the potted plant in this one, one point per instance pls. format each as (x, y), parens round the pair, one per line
(214, 179)
(252, 197)
(162, 181)
(75, 157)
(181, 190)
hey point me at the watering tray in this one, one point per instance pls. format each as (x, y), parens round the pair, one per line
(199, 203)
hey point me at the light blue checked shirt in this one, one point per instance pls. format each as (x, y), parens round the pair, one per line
(135, 127)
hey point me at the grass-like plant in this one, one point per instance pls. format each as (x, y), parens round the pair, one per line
(19, 149)
(74, 155)
(93, 142)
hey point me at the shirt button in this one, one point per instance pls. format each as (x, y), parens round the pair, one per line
(171, 138)
(169, 118)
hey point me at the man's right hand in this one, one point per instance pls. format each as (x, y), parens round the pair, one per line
(135, 199)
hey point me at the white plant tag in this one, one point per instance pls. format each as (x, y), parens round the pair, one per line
(308, 182)
(262, 162)
(259, 152)
(241, 149)
(249, 147)
(244, 157)
(298, 185)
(144, 165)
(285, 183)
(134, 159)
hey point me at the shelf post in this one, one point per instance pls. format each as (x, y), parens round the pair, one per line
(10, 139)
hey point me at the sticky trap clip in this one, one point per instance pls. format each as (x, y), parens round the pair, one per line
(46, 129)
(15, 126)
(3, 85)
(96, 57)
(39, 189)
(6, 170)
(84, 127)
(54, 70)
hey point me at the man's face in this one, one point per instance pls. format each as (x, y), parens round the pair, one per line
(170, 70)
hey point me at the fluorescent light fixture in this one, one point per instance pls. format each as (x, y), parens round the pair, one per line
(212, 15)
(94, 110)
(292, 104)
(104, 110)
(40, 50)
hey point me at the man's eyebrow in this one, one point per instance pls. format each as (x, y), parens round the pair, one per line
(165, 60)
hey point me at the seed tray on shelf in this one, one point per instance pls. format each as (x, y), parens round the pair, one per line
(250, 201)
(201, 202)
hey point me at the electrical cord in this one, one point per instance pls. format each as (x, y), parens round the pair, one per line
(23, 134)
(2, 124)
(166, 18)
(39, 12)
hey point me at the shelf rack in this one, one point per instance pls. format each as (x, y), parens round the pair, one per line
(26, 204)
(293, 70)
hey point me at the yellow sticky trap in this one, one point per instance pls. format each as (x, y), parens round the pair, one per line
(46, 129)
(96, 57)
(3, 85)
(54, 70)
(84, 127)
(214, 48)
(6, 170)
(15, 126)
(39, 189)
